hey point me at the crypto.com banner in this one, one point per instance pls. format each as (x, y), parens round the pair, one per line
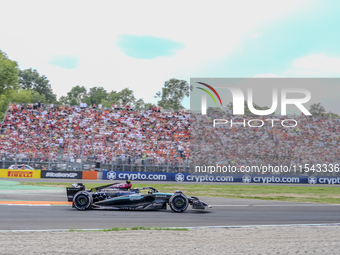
(245, 178)
(265, 125)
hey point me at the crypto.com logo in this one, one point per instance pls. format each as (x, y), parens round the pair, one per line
(111, 175)
(312, 180)
(239, 99)
(179, 177)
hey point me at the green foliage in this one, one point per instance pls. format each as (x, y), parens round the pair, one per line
(317, 109)
(113, 97)
(73, 102)
(34, 87)
(96, 95)
(331, 115)
(63, 100)
(126, 96)
(128, 229)
(140, 104)
(172, 229)
(4, 101)
(27, 96)
(31, 79)
(77, 95)
(8, 73)
(148, 106)
(173, 93)
(114, 229)
(106, 104)
(21, 96)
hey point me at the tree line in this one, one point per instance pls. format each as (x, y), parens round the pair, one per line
(28, 86)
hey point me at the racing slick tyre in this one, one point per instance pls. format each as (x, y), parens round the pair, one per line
(82, 200)
(178, 202)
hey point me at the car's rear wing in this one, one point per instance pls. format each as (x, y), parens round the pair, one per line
(76, 187)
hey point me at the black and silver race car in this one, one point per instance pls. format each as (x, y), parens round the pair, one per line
(120, 196)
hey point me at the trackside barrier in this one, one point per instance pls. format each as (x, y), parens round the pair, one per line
(13, 173)
(62, 174)
(90, 175)
(189, 177)
(149, 176)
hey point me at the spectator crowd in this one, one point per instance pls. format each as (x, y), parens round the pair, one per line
(43, 133)
(314, 140)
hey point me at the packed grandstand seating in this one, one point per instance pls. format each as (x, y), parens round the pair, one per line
(315, 140)
(103, 135)
(114, 136)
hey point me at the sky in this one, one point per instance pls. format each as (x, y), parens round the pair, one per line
(142, 44)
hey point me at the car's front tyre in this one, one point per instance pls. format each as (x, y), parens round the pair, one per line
(178, 202)
(82, 200)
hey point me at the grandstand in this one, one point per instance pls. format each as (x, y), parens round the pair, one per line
(315, 140)
(74, 138)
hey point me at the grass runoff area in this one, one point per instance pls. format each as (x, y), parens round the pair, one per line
(315, 194)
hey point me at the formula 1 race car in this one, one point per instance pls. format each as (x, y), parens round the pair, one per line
(120, 196)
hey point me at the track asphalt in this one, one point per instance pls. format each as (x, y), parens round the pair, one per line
(46, 209)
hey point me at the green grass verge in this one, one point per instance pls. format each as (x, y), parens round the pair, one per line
(315, 194)
(128, 229)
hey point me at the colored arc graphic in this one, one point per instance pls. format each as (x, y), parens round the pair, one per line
(208, 93)
(212, 90)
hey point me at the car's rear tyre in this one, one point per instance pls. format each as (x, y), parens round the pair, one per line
(178, 202)
(82, 200)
